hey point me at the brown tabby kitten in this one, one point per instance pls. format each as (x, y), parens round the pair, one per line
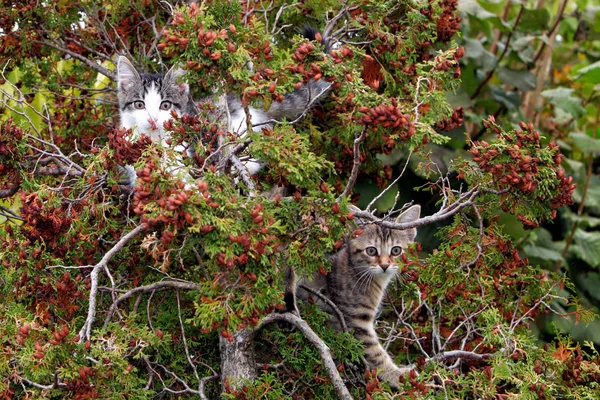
(360, 273)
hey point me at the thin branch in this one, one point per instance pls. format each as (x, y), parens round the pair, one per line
(384, 191)
(85, 332)
(330, 303)
(311, 336)
(465, 200)
(506, 46)
(355, 167)
(10, 191)
(551, 31)
(157, 286)
(93, 65)
(478, 244)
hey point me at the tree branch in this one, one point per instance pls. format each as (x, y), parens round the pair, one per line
(311, 336)
(85, 332)
(157, 286)
(355, 167)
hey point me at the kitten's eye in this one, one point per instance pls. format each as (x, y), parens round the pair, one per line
(165, 105)
(371, 251)
(139, 105)
(396, 251)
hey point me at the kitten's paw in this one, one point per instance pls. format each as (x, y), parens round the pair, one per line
(392, 375)
(127, 179)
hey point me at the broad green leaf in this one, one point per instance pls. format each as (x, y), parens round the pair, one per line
(542, 253)
(563, 98)
(534, 20)
(511, 100)
(585, 143)
(590, 282)
(473, 8)
(587, 247)
(521, 79)
(589, 74)
(474, 50)
(592, 199)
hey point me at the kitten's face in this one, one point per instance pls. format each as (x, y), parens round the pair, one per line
(376, 252)
(146, 101)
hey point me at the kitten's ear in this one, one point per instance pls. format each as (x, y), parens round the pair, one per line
(412, 214)
(173, 76)
(127, 75)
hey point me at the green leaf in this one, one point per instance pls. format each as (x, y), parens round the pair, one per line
(592, 199)
(511, 100)
(521, 79)
(534, 20)
(542, 253)
(589, 74)
(474, 50)
(591, 282)
(562, 98)
(587, 247)
(585, 143)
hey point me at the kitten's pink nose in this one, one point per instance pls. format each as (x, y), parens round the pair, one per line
(153, 122)
(384, 266)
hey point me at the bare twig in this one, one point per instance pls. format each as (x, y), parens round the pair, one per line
(329, 303)
(384, 191)
(355, 167)
(506, 47)
(157, 286)
(85, 332)
(93, 65)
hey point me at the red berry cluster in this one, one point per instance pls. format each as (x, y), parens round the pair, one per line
(42, 222)
(519, 162)
(127, 152)
(455, 121)
(448, 23)
(388, 116)
(10, 136)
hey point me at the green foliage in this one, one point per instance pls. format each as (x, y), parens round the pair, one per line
(199, 251)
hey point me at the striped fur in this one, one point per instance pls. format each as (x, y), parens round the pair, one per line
(360, 274)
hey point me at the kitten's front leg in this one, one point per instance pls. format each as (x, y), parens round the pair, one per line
(392, 373)
(127, 179)
(376, 356)
(289, 296)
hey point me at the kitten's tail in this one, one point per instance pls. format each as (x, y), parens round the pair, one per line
(297, 103)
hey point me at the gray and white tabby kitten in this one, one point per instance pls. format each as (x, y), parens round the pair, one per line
(146, 102)
(360, 274)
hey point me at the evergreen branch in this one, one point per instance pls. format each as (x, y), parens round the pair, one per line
(311, 336)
